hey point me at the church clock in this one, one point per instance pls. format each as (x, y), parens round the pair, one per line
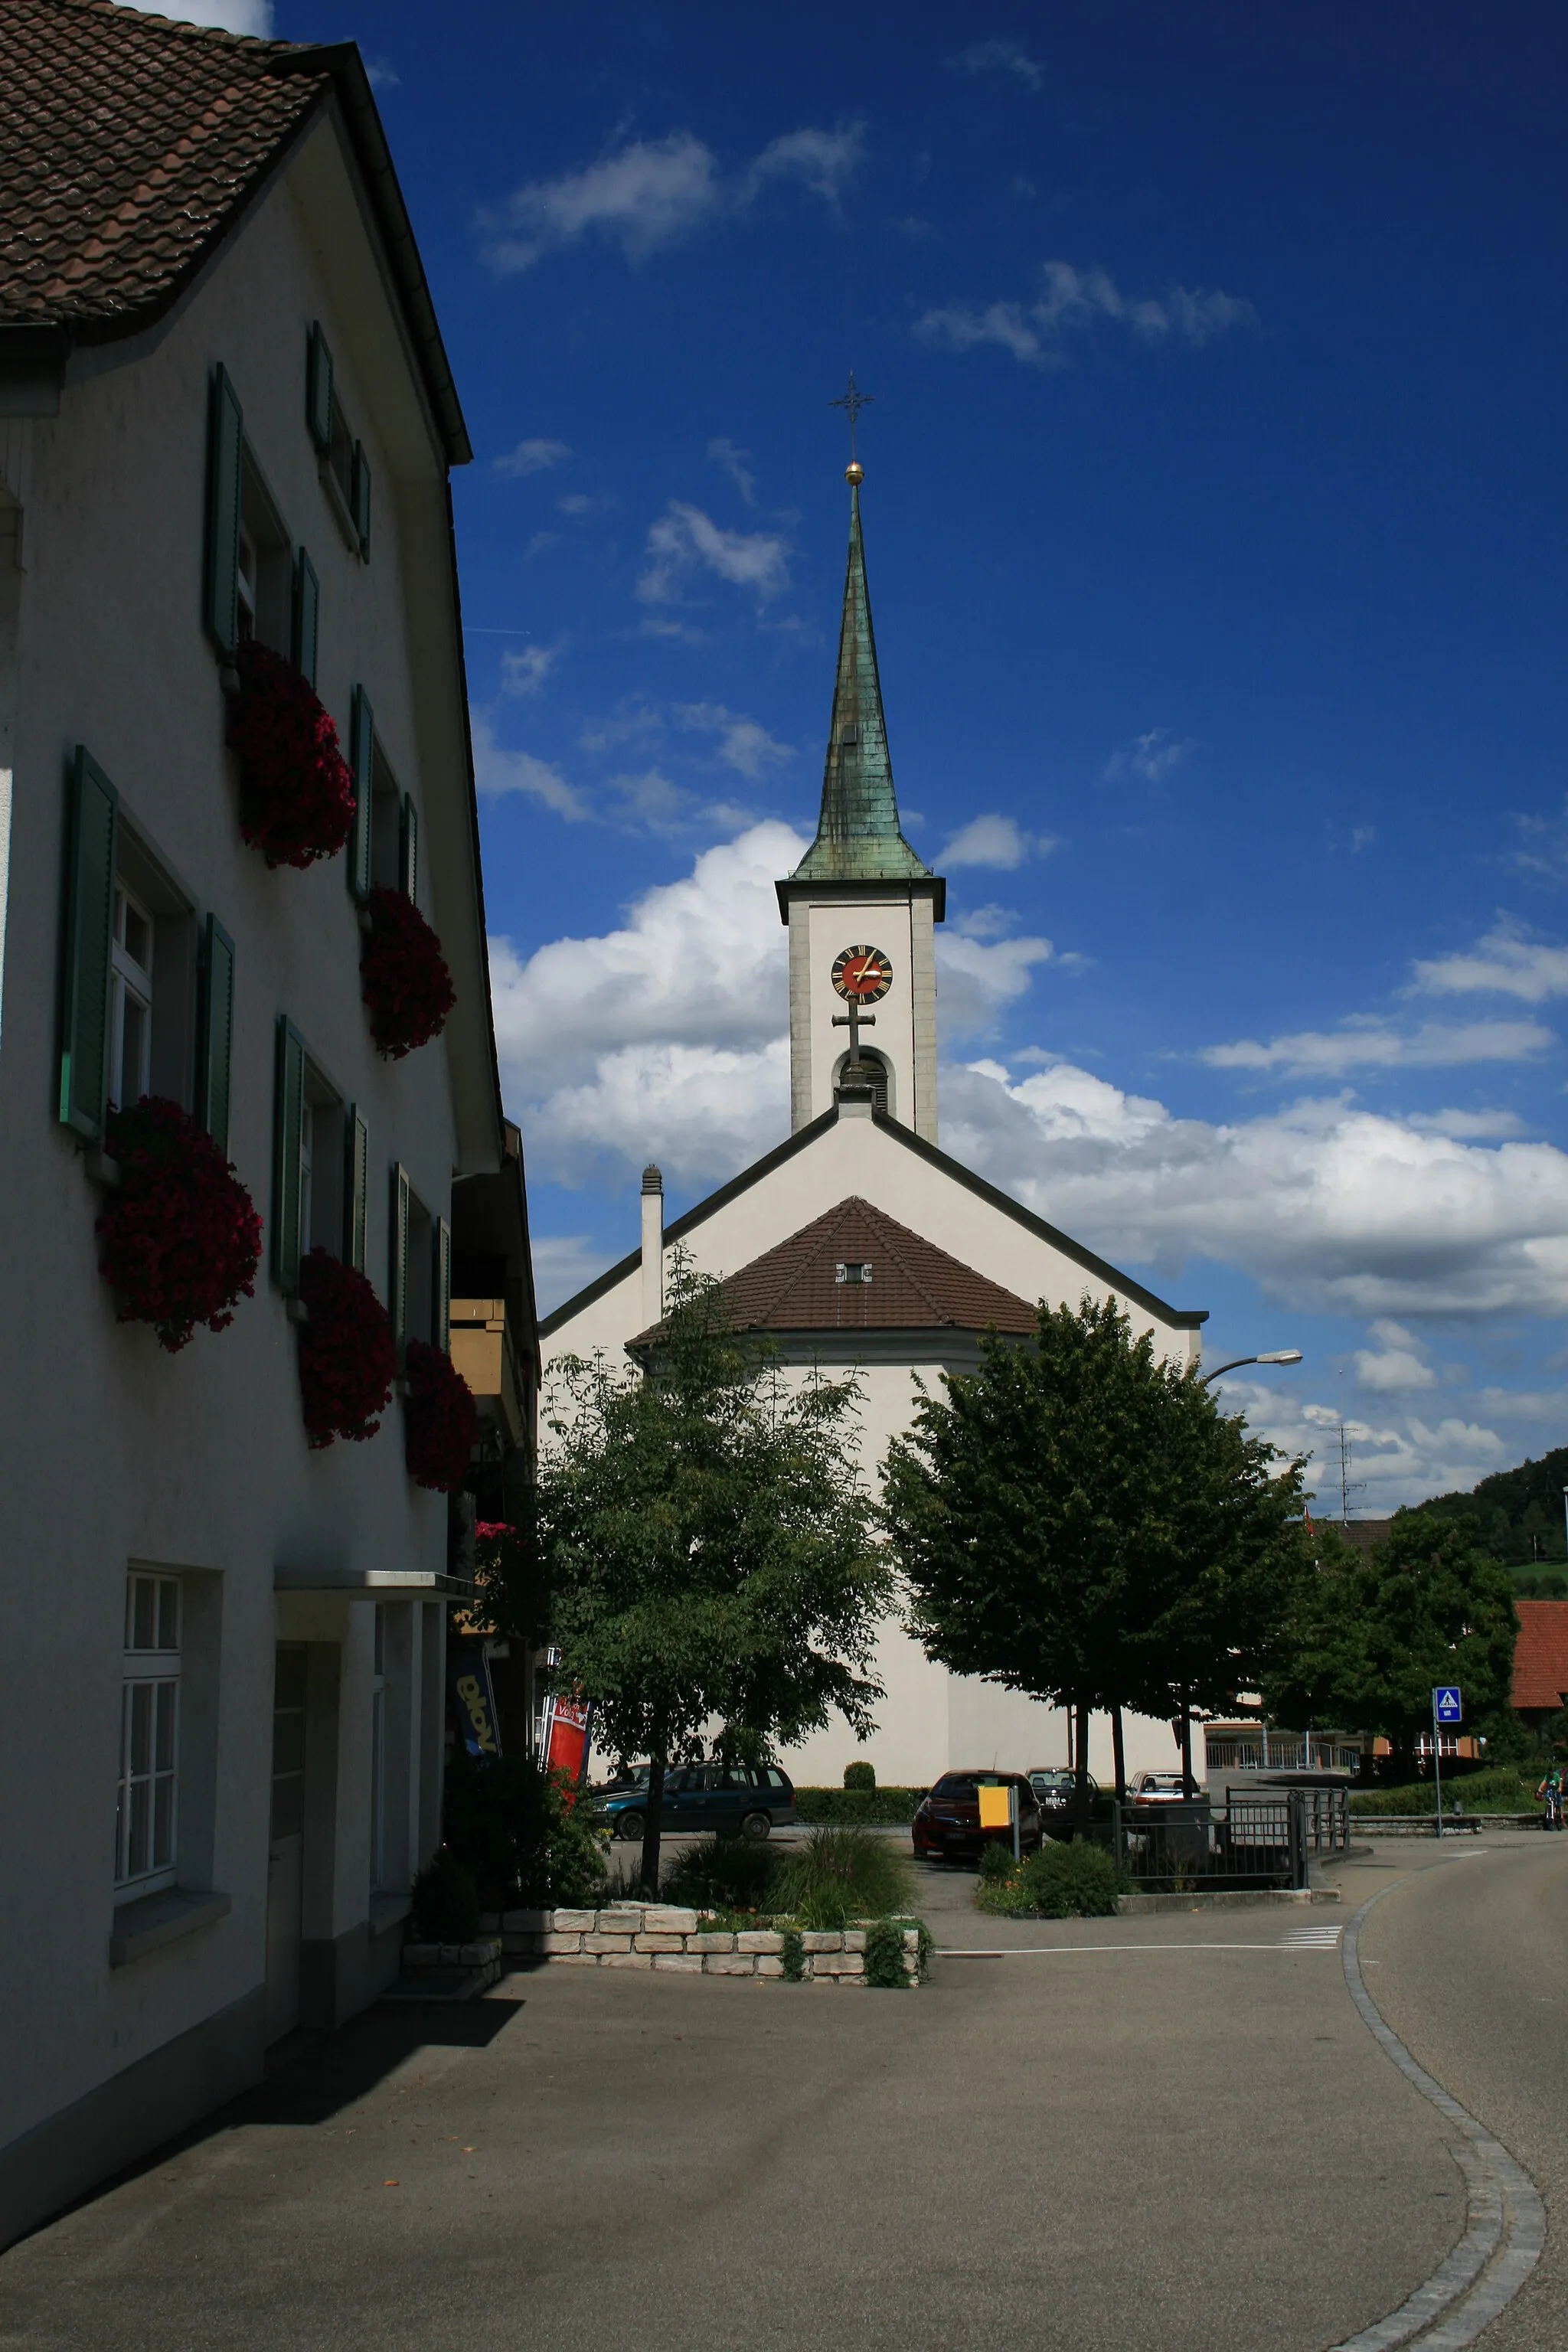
(862, 974)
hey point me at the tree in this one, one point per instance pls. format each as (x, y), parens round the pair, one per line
(705, 1533)
(1373, 1634)
(1079, 1520)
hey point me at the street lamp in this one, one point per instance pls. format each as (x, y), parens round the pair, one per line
(1276, 1356)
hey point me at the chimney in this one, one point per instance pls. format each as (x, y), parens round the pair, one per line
(652, 1248)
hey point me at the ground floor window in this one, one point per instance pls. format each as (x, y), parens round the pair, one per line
(146, 1809)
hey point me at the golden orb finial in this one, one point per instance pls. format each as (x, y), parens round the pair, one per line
(855, 473)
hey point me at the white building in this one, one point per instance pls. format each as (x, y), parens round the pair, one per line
(859, 1241)
(225, 410)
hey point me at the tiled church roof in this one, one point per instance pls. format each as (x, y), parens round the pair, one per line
(913, 1285)
(128, 141)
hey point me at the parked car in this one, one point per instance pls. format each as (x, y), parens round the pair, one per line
(732, 1800)
(1156, 1788)
(947, 1821)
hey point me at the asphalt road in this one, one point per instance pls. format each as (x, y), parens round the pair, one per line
(1137, 2142)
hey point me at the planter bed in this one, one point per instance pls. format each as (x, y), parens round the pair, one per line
(663, 1936)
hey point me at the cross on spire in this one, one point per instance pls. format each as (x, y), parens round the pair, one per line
(852, 402)
(854, 1020)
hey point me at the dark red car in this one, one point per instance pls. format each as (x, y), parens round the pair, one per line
(947, 1821)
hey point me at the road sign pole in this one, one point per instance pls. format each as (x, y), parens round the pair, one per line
(1437, 1762)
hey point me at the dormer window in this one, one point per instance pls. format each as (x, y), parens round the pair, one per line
(855, 1270)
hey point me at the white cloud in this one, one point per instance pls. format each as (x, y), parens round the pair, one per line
(1502, 963)
(1325, 1206)
(498, 771)
(651, 193)
(743, 744)
(684, 536)
(252, 17)
(382, 74)
(563, 1263)
(1472, 1125)
(532, 457)
(1362, 837)
(1399, 1458)
(691, 1109)
(733, 461)
(996, 841)
(1008, 58)
(1369, 1044)
(978, 979)
(1397, 1364)
(1070, 299)
(1152, 756)
(524, 672)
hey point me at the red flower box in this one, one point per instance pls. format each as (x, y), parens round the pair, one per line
(181, 1238)
(347, 1359)
(441, 1424)
(297, 794)
(404, 977)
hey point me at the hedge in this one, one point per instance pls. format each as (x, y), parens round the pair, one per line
(861, 1806)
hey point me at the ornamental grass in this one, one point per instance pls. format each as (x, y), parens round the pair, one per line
(347, 1357)
(441, 1423)
(179, 1239)
(403, 979)
(296, 792)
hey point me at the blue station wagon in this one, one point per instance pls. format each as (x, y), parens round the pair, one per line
(730, 1800)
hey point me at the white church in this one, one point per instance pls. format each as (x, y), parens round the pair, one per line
(858, 1242)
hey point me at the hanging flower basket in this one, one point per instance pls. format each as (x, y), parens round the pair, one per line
(180, 1240)
(404, 977)
(296, 794)
(347, 1359)
(441, 1424)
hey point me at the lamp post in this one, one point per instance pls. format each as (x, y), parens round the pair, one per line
(1276, 1356)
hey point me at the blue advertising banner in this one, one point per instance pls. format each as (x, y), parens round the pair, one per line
(473, 1699)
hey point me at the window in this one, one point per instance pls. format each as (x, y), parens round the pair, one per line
(345, 469)
(874, 1073)
(383, 854)
(318, 1148)
(854, 1270)
(254, 585)
(146, 1823)
(420, 1269)
(130, 1002)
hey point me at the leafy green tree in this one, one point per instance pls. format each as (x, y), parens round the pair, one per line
(1076, 1519)
(1373, 1634)
(706, 1536)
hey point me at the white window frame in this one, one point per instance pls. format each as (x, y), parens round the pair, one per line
(130, 983)
(147, 1810)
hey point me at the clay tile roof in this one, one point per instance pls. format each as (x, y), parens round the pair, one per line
(128, 141)
(913, 1286)
(1541, 1654)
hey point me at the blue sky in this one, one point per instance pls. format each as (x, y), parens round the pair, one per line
(1214, 513)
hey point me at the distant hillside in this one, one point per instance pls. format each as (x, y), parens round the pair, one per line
(1520, 1512)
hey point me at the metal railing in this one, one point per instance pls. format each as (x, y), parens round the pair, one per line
(1252, 1842)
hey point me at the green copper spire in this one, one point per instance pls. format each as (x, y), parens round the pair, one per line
(858, 835)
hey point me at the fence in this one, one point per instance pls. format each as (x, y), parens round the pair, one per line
(1254, 1842)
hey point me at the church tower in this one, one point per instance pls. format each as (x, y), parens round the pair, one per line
(860, 907)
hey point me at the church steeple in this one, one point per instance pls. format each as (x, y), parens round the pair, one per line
(858, 838)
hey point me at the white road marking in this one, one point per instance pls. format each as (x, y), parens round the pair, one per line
(1313, 1939)
(1038, 1952)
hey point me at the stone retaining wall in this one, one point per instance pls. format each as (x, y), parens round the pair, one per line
(663, 1936)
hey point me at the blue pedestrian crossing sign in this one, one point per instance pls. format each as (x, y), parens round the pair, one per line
(1446, 1707)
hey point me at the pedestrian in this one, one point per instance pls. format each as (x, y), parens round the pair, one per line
(1551, 1792)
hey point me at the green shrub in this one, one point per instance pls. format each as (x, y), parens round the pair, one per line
(793, 1956)
(860, 1774)
(446, 1901)
(996, 1860)
(885, 1956)
(839, 1875)
(1061, 1882)
(523, 1833)
(729, 1874)
(855, 1805)
(1499, 1788)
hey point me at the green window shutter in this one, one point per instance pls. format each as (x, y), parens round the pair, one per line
(359, 498)
(362, 759)
(88, 930)
(356, 1192)
(408, 850)
(214, 1032)
(226, 446)
(442, 1286)
(307, 605)
(397, 1260)
(318, 389)
(287, 1118)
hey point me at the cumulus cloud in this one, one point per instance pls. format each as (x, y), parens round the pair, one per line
(743, 744)
(733, 461)
(1396, 1363)
(995, 841)
(1008, 61)
(532, 457)
(1370, 1043)
(497, 773)
(650, 193)
(523, 671)
(1397, 1458)
(684, 538)
(978, 979)
(1070, 300)
(1503, 963)
(1152, 756)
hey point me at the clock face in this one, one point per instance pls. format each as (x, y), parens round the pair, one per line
(863, 973)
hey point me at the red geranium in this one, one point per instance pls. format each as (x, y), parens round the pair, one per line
(347, 1359)
(404, 977)
(442, 1422)
(297, 794)
(181, 1239)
